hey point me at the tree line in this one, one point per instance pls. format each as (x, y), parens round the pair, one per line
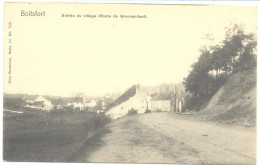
(217, 62)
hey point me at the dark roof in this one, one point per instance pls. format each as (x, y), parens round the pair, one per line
(38, 102)
(58, 101)
(124, 97)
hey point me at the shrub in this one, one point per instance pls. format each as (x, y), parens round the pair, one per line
(97, 122)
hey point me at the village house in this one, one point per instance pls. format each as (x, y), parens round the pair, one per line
(29, 99)
(166, 102)
(161, 102)
(134, 99)
(76, 103)
(58, 103)
(38, 102)
(103, 105)
(92, 103)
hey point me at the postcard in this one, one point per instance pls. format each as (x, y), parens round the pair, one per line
(129, 83)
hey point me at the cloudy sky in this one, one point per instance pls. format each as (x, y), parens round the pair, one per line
(58, 56)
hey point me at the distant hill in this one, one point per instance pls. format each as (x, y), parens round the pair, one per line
(235, 102)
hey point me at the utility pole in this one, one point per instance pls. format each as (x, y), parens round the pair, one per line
(175, 100)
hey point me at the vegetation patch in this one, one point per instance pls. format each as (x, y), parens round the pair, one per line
(38, 136)
(217, 63)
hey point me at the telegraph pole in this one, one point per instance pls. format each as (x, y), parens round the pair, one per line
(175, 99)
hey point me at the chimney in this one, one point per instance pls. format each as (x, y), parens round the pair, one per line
(137, 88)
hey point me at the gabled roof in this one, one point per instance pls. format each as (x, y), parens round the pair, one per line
(40, 98)
(124, 97)
(38, 103)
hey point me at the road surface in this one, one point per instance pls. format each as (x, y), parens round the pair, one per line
(166, 138)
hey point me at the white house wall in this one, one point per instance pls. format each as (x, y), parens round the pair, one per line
(163, 105)
(137, 102)
(46, 103)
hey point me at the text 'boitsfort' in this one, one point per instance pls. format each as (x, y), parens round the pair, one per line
(33, 13)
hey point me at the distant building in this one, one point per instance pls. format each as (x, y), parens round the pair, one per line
(134, 99)
(38, 102)
(161, 102)
(76, 103)
(92, 103)
(29, 99)
(103, 104)
(166, 102)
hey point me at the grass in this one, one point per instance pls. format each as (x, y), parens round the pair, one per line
(91, 145)
(235, 102)
(38, 136)
(238, 85)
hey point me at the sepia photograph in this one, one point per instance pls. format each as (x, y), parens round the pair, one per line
(129, 83)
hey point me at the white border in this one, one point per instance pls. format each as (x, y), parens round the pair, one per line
(244, 3)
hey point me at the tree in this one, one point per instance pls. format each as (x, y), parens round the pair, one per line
(236, 52)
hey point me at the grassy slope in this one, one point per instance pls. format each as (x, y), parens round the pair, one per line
(46, 137)
(235, 101)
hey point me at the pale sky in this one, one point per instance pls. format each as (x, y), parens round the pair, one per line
(59, 56)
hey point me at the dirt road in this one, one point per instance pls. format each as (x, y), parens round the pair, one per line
(165, 138)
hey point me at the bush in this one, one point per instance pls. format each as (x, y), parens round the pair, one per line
(195, 103)
(97, 122)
